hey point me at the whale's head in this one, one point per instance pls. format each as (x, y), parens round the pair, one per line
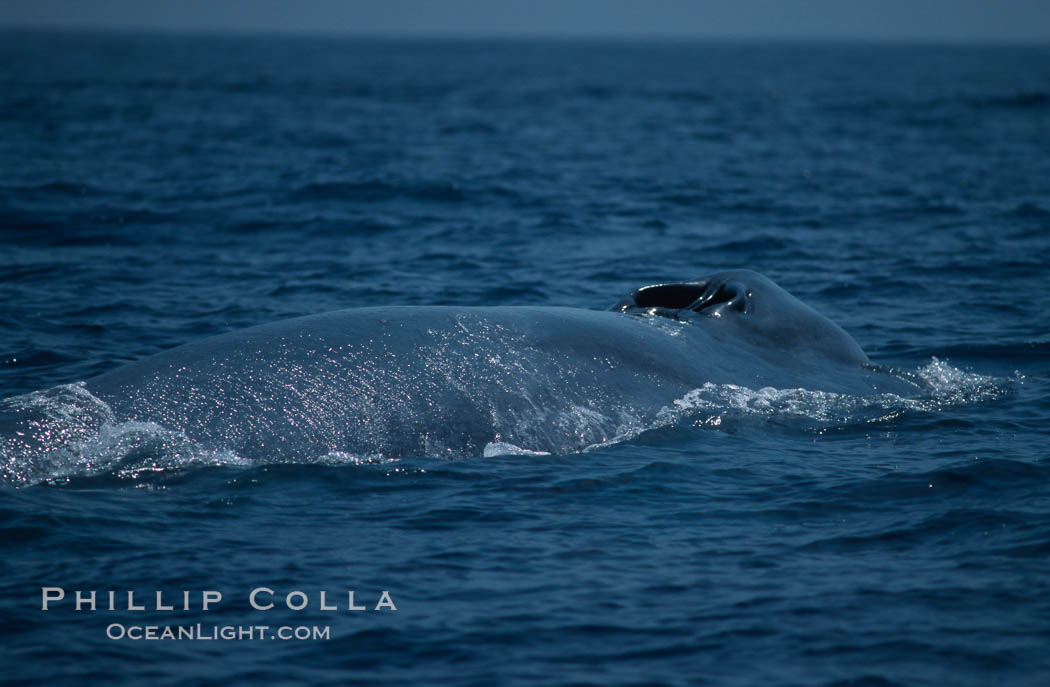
(745, 305)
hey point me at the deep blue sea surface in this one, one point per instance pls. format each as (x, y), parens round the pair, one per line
(156, 189)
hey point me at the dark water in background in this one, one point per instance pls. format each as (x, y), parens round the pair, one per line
(155, 190)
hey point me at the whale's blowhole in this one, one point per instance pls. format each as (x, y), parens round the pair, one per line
(670, 296)
(704, 297)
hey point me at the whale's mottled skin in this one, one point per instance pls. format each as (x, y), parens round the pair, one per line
(398, 381)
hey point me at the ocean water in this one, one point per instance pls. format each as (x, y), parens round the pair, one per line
(157, 189)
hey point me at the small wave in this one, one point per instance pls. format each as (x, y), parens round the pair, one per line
(1015, 352)
(502, 448)
(1022, 100)
(36, 427)
(134, 450)
(65, 430)
(1028, 210)
(375, 190)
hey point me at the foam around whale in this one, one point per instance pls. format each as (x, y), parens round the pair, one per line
(389, 383)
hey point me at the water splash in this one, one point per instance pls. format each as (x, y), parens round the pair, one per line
(502, 448)
(947, 387)
(65, 431)
(719, 405)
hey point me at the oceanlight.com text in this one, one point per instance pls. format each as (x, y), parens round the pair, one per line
(204, 632)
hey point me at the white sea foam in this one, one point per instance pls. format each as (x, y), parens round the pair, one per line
(65, 430)
(715, 405)
(502, 448)
(946, 386)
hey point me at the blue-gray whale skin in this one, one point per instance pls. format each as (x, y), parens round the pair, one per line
(405, 380)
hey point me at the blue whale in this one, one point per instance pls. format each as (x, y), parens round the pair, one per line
(405, 381)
